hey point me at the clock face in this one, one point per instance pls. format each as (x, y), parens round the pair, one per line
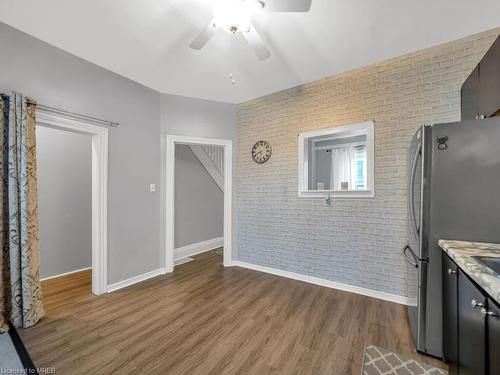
(261, 152)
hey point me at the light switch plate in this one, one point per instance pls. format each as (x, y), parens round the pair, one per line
(152, 188)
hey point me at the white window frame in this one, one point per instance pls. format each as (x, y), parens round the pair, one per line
(361, 128)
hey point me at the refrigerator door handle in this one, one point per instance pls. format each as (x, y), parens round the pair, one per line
(415, 227)
(413, 260)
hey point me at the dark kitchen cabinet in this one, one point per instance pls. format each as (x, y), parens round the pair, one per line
(481, 90)
(471, 325)
(471, 328)
(493, 324)
(450, 312)
(470, 96)
(489, 81)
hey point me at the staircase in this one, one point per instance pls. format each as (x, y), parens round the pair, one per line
(212, 159)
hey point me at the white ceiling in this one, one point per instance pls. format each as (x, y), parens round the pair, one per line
(147, 40)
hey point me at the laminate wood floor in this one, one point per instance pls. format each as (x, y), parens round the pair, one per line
(207, 319)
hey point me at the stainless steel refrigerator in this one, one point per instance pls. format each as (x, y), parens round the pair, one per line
(454, 193)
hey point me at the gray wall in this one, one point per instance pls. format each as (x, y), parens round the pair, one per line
(59, 79)
(64, 166)
(136, 217)
(351, 241)
(199, 203)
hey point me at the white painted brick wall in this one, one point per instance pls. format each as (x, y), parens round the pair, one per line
(353, 241)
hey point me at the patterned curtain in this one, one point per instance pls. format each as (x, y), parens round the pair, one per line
(20, 291)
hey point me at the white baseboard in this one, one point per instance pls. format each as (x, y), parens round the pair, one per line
(327, 283)
(180, 261)
(197, 248)
(66, 273)
(136, 279)
(180, 253)
(412, 301)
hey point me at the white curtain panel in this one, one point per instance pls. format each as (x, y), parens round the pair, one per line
(343, 168)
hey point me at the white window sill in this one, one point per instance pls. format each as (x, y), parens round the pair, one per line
(335, 194)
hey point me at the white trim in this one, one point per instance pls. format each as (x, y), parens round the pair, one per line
(209, 165)
(135, 279)
(198, 248)
(228, 203)
(337, 194)
(66, 273)
(180, 261)
(99, 189)
(327, 283)
(171, 141)
(367, 128)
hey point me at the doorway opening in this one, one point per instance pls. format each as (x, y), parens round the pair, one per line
(58, 126)
(219, 152)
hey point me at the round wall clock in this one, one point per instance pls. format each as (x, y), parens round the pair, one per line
(261, 152)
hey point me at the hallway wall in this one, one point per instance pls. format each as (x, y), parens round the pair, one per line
(199, 203)
(64, 162)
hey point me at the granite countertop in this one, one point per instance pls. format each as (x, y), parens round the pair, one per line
(462, 252)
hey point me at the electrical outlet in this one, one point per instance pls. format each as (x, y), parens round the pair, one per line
(152, 188)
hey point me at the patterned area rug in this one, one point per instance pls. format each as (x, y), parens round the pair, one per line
(379, 361)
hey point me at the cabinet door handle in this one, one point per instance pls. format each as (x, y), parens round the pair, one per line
(451, 271)
(487, 313)
(475, 304)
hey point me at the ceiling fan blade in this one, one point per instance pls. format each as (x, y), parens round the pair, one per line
(287, 5)
(255, 41)
(206, 34)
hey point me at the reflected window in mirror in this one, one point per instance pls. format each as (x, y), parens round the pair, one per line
(338, 161)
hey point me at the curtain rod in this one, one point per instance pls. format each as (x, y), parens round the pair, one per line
(75, 115)
(70, 114)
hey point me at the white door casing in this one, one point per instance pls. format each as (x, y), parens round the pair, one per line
(99, 136)
(171, 141)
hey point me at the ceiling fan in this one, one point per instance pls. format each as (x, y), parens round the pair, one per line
(233, 16)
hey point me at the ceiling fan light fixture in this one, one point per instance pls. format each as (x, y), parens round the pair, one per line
(231, 16)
